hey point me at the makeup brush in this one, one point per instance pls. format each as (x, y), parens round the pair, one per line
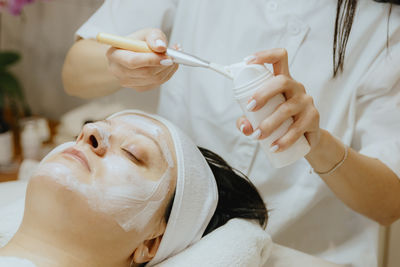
(178, 57)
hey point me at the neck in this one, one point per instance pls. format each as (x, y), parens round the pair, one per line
(50, 247)
(39, 252)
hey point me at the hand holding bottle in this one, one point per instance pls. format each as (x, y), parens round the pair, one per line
(298, 105)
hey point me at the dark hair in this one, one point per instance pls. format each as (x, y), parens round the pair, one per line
(238, 197)
(345, 12)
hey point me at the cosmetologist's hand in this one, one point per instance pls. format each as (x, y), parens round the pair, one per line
(298, 105)
(143, 71)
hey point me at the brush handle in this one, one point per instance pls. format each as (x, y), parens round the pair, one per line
(123, 42)
(178, 57)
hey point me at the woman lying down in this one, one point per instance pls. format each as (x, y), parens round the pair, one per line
(131, 190)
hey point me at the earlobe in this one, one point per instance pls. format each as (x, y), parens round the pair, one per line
(147, 250)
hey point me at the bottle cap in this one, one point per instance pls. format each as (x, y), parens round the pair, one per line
(248, 73)
(250, 76)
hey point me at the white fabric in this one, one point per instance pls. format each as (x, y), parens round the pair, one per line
(241, 243)
(237, 243)
(305, 215)
(12, 203)
(10, 219)
(196, 194)
(15, 262)
(12, 191)
(286, 257)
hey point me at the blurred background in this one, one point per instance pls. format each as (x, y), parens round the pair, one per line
(41, 35)
(35, 112)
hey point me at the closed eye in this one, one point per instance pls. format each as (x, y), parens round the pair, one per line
(132, 156)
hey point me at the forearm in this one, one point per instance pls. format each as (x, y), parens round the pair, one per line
(85, 72)
(365, 184)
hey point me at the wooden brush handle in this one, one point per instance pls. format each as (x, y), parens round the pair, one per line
(123, 42)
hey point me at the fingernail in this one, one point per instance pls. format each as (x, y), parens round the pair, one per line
(249, 58)
(160, 42)
(178, 45)
(274, 148)
(256, 134)
(166, 62)
(242, 128)
(250, 106)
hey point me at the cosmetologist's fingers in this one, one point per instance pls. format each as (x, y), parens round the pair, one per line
(278, 57)
(156, 40)
(133, 60)
(244, 125)
(283, 112)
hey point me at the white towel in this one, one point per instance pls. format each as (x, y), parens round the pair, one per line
(15, 262)
(235, 244)
(10, 220)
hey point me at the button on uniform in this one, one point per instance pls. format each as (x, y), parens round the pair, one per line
(294, 26)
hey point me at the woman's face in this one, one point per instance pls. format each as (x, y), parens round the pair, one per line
(123, 167)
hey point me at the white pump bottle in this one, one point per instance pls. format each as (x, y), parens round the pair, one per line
(247, 79)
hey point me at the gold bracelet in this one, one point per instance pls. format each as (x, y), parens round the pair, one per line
(337, 165)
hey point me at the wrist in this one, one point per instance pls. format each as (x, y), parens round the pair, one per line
(326, 154)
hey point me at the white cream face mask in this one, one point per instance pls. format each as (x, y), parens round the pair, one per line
(115, 187)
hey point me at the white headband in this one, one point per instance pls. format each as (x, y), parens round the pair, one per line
(196, 194)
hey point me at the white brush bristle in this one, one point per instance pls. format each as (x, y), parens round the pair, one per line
(221, 69)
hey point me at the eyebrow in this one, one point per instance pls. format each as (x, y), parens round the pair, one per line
(154, 141)
(143, 133)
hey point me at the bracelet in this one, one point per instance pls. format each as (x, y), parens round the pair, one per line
(337, 165)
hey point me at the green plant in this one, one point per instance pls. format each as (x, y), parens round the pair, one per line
(11, 94)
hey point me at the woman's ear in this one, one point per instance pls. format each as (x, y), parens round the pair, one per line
(148, 248)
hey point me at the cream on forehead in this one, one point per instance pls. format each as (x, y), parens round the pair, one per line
(142, 123)
(151, 128)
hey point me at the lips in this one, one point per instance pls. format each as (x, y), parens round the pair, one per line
(78, 155)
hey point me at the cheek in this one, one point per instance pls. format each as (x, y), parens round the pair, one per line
(60, 171)
(118, 174)
(136, 214)
(119, 190)
(113, 170)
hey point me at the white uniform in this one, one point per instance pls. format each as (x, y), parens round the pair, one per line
(361, 106)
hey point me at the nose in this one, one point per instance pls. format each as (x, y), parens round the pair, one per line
(95, 138)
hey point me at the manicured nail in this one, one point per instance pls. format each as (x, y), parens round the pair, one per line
(179, 47)
(242, 128)
(256, 134)
(274, 148)
(249, 58)
(250, 106)
(160, 43)
(166, 62)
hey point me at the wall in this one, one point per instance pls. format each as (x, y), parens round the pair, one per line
(43, 35)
